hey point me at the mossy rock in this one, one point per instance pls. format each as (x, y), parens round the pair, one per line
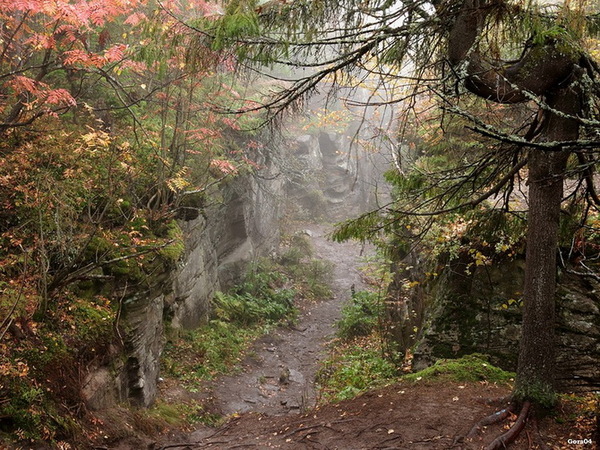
(190, 206)
(471, 368)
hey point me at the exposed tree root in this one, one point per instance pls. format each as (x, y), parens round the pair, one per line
(502, 441)
(505, 439)
(490, 420)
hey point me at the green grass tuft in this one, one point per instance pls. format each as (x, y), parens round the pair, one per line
(473, 367)
(353, 368)
(361, 315)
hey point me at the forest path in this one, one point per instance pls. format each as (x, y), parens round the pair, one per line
(404, 415)
(278, 375)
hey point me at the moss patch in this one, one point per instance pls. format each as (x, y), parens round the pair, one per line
(538, 392)
(473, 367)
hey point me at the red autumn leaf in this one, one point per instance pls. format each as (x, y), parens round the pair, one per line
(25, 84)
(224, 166)
(115, 53)
(60, 96)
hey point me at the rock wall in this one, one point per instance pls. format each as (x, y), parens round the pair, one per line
(334, 178)
(341, 148)
(218, 246)
(463, 312)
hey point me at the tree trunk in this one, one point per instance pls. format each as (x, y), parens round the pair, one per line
(535, 372)
(547, 73)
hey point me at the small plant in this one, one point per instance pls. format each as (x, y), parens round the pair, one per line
(206, 352)
(354, 368)
(360, 359)
(361, 315)
(291, 257)
(247, 310)
(311, 277)
(299, 248)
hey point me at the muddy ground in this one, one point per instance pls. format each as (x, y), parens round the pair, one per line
(278, 376)
(271, 403)
(402, 416)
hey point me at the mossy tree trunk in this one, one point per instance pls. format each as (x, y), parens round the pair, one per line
(547, 73)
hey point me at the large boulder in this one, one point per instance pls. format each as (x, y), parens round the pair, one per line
(468, 308)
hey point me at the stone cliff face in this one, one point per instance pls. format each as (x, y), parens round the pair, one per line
(322, 175)
(218, 246)
(462, 312)
(336, 179)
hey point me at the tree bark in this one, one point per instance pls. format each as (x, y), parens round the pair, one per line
(535, 372)
(547, 73)
(539, 70)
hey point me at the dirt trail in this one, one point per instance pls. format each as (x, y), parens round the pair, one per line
(422, 415)
(278, 375)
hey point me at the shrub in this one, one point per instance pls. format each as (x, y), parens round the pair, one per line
(246, 309)
(354, 368)
(361, 315)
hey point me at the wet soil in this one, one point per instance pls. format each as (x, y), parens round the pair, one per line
(415, 416)
(270, 404)
(428, 416)
(279, 372)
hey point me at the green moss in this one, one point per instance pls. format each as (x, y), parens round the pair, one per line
(52, 348)
(180, 414)
(40, 375)
(92, 322)
(562, 39)
(172, 414)
(127, 268)
(97, 248)
(173, 252)
(537, 392)
(473, 367)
